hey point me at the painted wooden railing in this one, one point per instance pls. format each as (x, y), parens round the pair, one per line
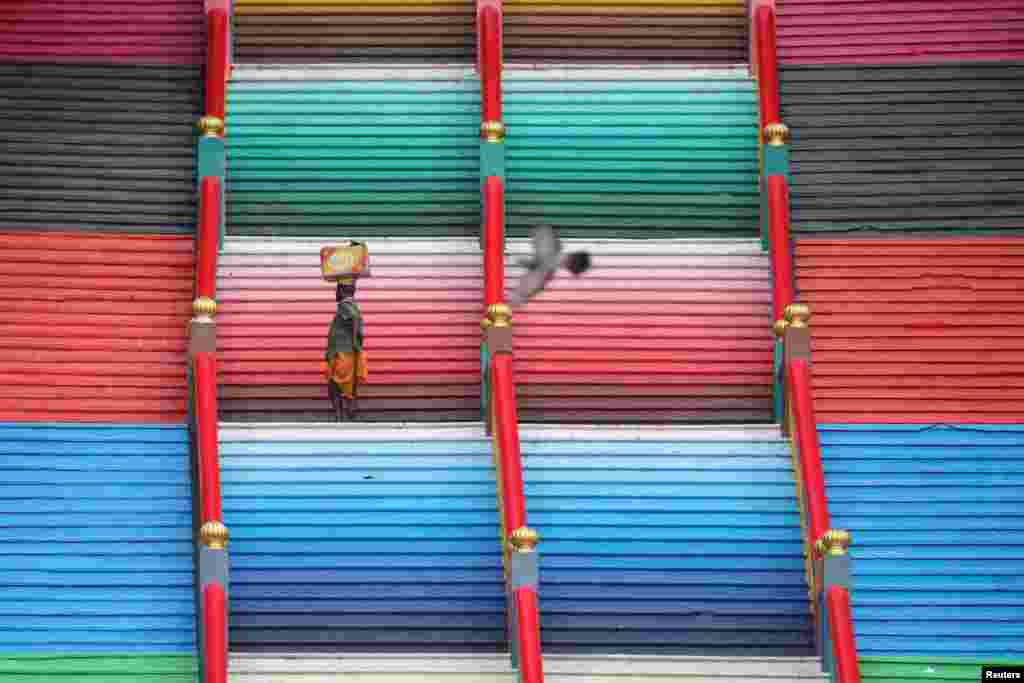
(212, 537)
(825, 549)
(498, 390)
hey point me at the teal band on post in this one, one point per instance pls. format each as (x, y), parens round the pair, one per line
(492, 159)
(776, 160)
(210, 157)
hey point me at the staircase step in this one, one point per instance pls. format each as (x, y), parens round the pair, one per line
(656, 540)
(586, 152)
(575, 357)
(316, 668)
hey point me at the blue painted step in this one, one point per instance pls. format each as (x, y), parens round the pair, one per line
(96, 539)
(937, 521)
(381, 538)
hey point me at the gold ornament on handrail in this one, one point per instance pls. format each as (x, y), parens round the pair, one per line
(797, 315)
(204, 306)
(779, 327)
(500, 315)
(211, 127)
(776, 134)
(492, 131)
(834, 542)
(524, 540)
(214, 535)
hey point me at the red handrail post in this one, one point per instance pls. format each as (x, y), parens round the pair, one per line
(827, 547)
(489, 58)
(212, 537)
(205, 368)
(829, 572)
(508, 438)
(209, 235)
(217, 28)
(767, 64)
(809, 449)
(215, 639)
(844, 648)
(778, 239)
(531, 665)
(518, 551)
(494, 240)
(518, 541)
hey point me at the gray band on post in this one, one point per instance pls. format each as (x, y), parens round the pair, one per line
(498, 339)
(213, 567)
(202, 337)
(835, 571)
(523, 570)
(798, 344)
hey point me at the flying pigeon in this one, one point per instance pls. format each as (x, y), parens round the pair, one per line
(544, 264)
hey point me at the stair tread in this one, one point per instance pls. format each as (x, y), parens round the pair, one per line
(767, 668)
(294, 431)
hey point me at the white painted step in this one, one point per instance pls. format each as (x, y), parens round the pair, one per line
(356, 668)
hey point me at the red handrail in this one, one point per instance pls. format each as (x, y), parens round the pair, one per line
(531, 665)
(797, 370)
(215, 633)
(213, 603)
(494, 233)
(217, 27)
(205, 373)
(778, 240)
(767, 65)
(507, 432)
(777, 188)
(513, 510)
(840, 619)
(802, 406)
(489, 20)
(209, 234)
(502, 399)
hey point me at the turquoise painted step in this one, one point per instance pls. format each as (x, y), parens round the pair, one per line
(610, 157)
(97, 548)
(356, 158)
(623, 158)
(936, 519)
(688, 540)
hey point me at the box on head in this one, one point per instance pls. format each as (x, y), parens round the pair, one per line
(345, 262)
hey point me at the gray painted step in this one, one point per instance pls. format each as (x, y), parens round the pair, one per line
(300, 668)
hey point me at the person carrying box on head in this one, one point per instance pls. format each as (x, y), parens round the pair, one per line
(346, 356)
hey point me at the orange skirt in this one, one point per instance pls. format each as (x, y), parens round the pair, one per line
(343, 373)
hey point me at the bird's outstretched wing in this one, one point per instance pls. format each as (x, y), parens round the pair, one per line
(531, 282)
(546, 244)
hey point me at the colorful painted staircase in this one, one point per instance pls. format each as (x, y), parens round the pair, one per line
(357, 547)
(88, 593)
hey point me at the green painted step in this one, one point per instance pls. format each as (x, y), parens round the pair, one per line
(611, 156)
(910, 669)
(97, 668)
